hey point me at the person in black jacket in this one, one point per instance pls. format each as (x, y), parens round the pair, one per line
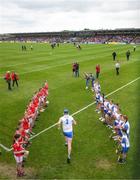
(127, 55)
(114, 55)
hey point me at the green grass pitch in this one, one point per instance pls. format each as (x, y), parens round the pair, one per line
(93, 154)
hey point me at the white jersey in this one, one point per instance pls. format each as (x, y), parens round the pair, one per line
(117, 115)
(97, 88)
(115, 109)
(110, 106)
(67, 123)
(101, 99)
(126, 126)
(106, 103)
(117, 65)
(125, 141)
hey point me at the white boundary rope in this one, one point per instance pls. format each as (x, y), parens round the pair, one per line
(77, 112)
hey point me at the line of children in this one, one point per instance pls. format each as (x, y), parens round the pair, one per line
(24, 130)
(112, 117)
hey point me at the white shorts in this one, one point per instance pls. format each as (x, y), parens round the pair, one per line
(19, 159)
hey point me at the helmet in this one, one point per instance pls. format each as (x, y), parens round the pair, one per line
(66, 111)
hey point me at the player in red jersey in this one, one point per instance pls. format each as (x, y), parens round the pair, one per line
(19, 154)
(7, 77)
(46, 85)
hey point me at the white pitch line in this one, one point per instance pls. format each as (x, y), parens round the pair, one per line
(43, 131)
(77, 112)
(5, 148)
(107, 95)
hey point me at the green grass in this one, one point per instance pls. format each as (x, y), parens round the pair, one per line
(93, 153)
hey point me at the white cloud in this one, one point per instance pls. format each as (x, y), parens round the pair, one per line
(56, 15)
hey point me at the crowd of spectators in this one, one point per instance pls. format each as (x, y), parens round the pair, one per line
(81, 37)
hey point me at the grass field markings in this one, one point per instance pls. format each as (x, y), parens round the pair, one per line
(50, 67)
(107, 95)
(6, 148)
(85, 53)
(77, 112)
(99, 52)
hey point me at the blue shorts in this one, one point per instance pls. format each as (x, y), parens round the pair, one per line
(105, 111)
(68, 134)
(124, 150)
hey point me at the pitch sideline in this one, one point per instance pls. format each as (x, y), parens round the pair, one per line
(46, 129)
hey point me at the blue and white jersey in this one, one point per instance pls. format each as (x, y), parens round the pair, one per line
(114, 109)
(101, 99)
(67, 123)
(105, 105)
(126, 126)
(117, 115)
(116, 122)
(97, 88)
(110, 106)
(97, 96)
(125, 141)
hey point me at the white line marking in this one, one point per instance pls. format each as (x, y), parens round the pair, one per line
(5, 148)
(43, 131)
(77, 112)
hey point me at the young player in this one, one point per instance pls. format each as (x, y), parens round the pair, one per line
(97, 87)
(19, 153)
(125, 144)
(126, 125)
(67, 123)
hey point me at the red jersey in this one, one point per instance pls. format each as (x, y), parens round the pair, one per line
(32, 108)
(24, 134)
(14, 76)
(98, 68)
(7, 76)
(20, 140)
(25, 124)
(36, 102)
(46, 85)
(17, 147)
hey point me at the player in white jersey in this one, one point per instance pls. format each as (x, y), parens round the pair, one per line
(67, 123)
(125, 144)
(97, 87)
(126, 125)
